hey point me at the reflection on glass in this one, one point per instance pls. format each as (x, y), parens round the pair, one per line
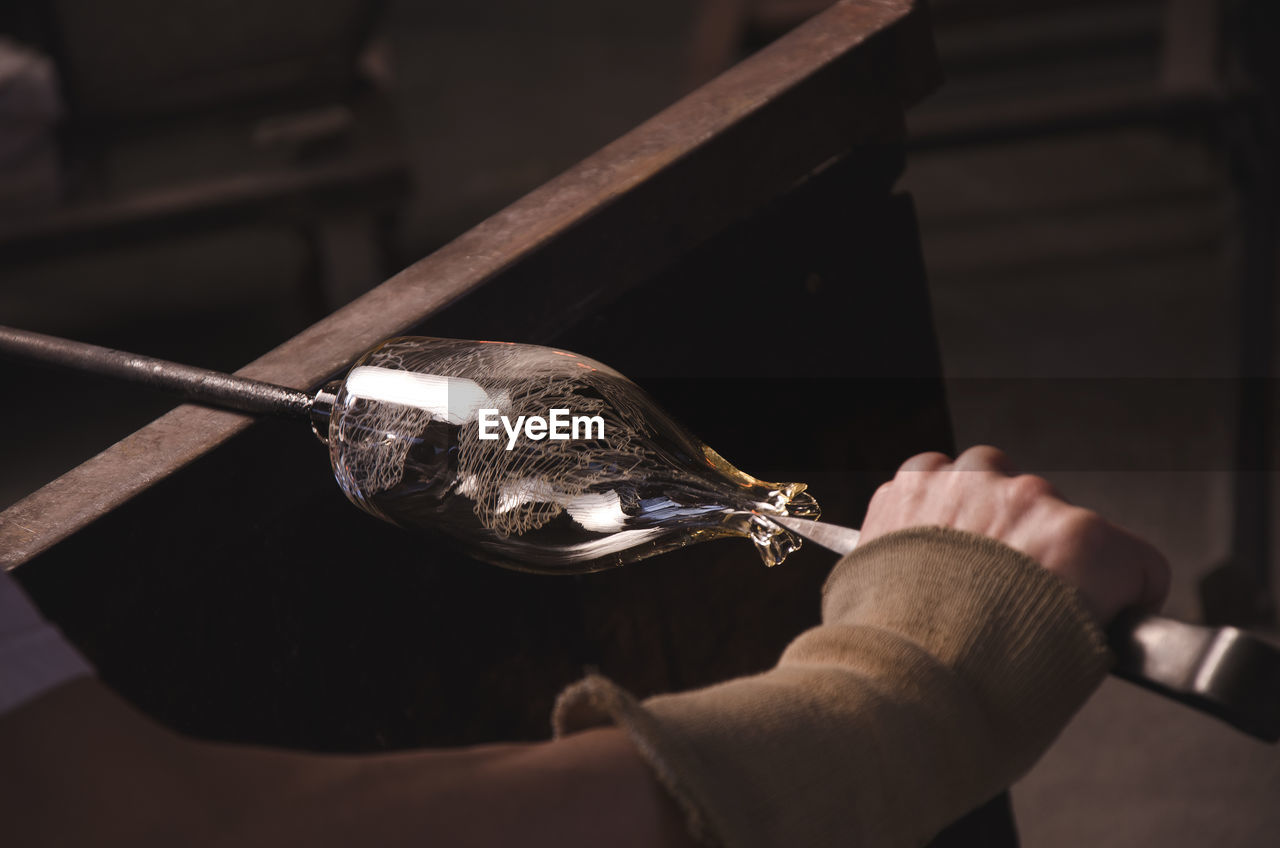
(406, 432)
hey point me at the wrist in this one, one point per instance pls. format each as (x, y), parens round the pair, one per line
(990, 614)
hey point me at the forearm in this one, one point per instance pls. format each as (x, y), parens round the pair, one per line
(81, 767)
(589, 789)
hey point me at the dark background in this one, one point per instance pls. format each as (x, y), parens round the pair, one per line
(1092, 183)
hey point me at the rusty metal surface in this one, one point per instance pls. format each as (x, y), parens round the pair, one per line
(839, 81)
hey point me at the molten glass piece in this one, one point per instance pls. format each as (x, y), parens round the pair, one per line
(536, 459)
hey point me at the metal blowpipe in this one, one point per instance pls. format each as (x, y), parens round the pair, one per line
(213, 388)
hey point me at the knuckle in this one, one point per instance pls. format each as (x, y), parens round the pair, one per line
(985, 458)
(882, 495)
(1029, 488)
(986, 453)
(928, 461)
(1083, 526)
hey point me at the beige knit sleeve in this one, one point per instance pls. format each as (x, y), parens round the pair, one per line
(946, 663)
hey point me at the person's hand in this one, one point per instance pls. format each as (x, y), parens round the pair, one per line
(979, 492)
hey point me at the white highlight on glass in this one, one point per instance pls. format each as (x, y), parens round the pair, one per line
(600, 512)
(453, 399)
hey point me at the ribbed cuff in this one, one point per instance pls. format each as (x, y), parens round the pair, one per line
(596, 701)
(1018, 633)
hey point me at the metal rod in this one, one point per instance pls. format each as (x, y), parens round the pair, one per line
(213, 388)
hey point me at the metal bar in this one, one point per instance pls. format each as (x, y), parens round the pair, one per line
(1221, 671)
(198, 384)
(838, 81)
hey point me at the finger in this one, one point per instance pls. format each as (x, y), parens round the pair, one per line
(931, 461)
(985, 458)
(878, 504)
(882, 491)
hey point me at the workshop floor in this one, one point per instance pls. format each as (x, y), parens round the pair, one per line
(1057, 267)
